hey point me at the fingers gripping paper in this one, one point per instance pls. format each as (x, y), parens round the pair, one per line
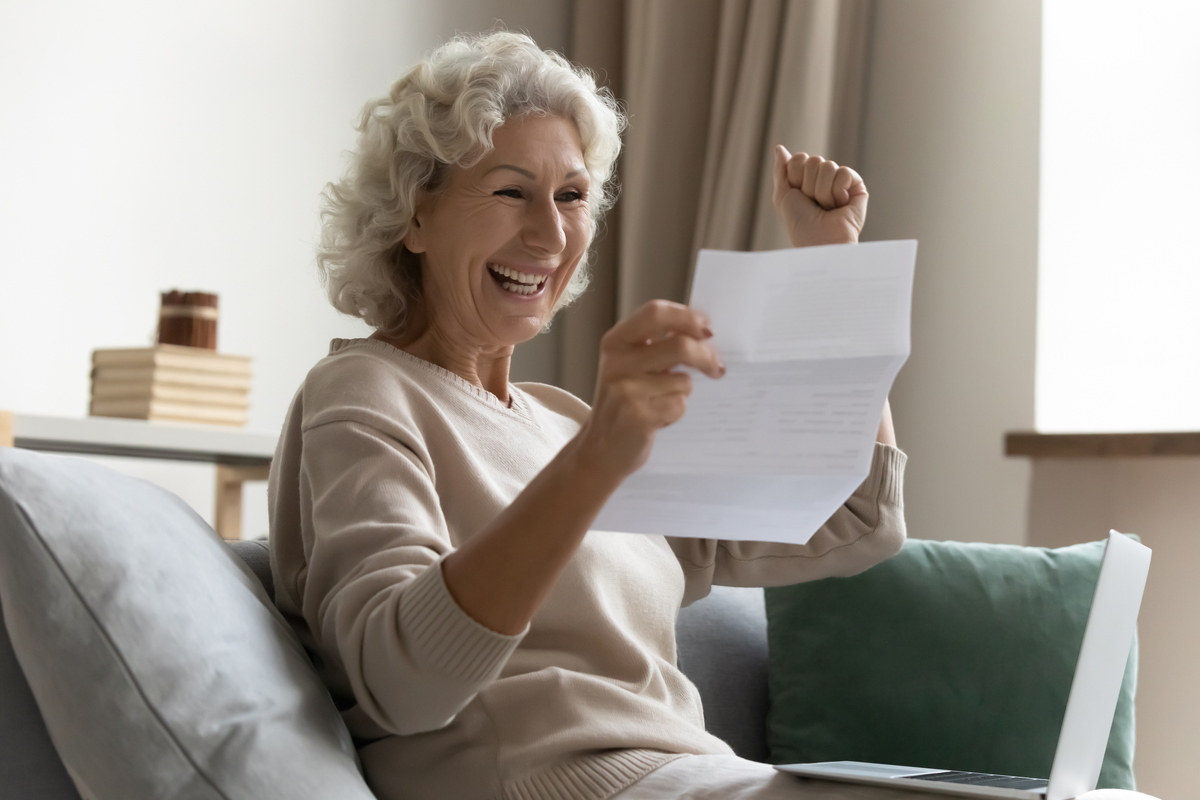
(812, 339)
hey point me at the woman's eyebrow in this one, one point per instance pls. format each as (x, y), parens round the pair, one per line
(527, 173)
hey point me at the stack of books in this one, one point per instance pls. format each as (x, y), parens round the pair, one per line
(171, 382)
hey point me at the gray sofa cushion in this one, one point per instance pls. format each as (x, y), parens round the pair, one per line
(158, 664)
(256, 554)
(723, 649)
(29, 765)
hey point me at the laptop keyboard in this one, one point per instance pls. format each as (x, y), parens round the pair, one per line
(981, 779)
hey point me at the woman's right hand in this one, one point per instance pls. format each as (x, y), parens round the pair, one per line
(637, 389)
(501, 575)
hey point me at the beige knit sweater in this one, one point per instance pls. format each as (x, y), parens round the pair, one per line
(385, 465)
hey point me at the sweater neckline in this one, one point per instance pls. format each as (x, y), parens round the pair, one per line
(519, 407)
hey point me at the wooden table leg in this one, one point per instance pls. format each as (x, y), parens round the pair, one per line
(6, 432)
(228, 515)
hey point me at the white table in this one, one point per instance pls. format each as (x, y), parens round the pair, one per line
(239, 455)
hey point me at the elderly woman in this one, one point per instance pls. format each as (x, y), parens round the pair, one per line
(430, 520)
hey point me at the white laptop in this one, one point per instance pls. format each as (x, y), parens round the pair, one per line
(1091, 704)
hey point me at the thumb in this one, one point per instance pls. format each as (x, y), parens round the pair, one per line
(779, 174)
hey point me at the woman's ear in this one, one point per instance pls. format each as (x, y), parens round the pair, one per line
(414, 239)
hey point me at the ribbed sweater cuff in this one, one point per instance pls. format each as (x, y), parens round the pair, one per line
(446, 637)
(592, 777)
(885, 484)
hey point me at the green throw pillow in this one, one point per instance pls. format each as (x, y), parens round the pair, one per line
(949, 656)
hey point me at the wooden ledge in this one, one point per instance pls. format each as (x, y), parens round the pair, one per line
(1101, 445)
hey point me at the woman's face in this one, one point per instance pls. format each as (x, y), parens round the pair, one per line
(502, 239)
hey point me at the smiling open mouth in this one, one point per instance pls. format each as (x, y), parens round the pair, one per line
(516, 282)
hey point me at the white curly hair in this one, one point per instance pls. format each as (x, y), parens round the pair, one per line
(443, 113)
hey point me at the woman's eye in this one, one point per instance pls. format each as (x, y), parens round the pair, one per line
(571, 197)
(515, 193)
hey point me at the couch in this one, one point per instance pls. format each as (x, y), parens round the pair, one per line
(67, 517)
(722, 648)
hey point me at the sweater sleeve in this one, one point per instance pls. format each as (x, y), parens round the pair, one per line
(866, 529)
(373, 595)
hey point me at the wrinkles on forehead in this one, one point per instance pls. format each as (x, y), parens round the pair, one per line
(521, 171)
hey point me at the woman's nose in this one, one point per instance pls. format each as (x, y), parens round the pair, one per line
(543, 230)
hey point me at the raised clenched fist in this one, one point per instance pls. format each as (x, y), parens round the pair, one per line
(818, 201)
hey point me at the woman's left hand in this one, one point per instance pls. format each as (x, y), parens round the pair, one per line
(818, 201)
(821, 202)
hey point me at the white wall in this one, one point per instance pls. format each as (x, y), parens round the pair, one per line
(950, 157)
(1077, 500)
(1118, 332)
(147, 145)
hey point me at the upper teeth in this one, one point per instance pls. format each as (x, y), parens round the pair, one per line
(519, 277)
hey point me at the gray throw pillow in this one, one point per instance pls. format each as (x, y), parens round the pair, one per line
(159, 666)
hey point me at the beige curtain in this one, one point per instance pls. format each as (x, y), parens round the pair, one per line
(710, 86)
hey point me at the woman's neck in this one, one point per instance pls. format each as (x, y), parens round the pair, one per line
(485, 367)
